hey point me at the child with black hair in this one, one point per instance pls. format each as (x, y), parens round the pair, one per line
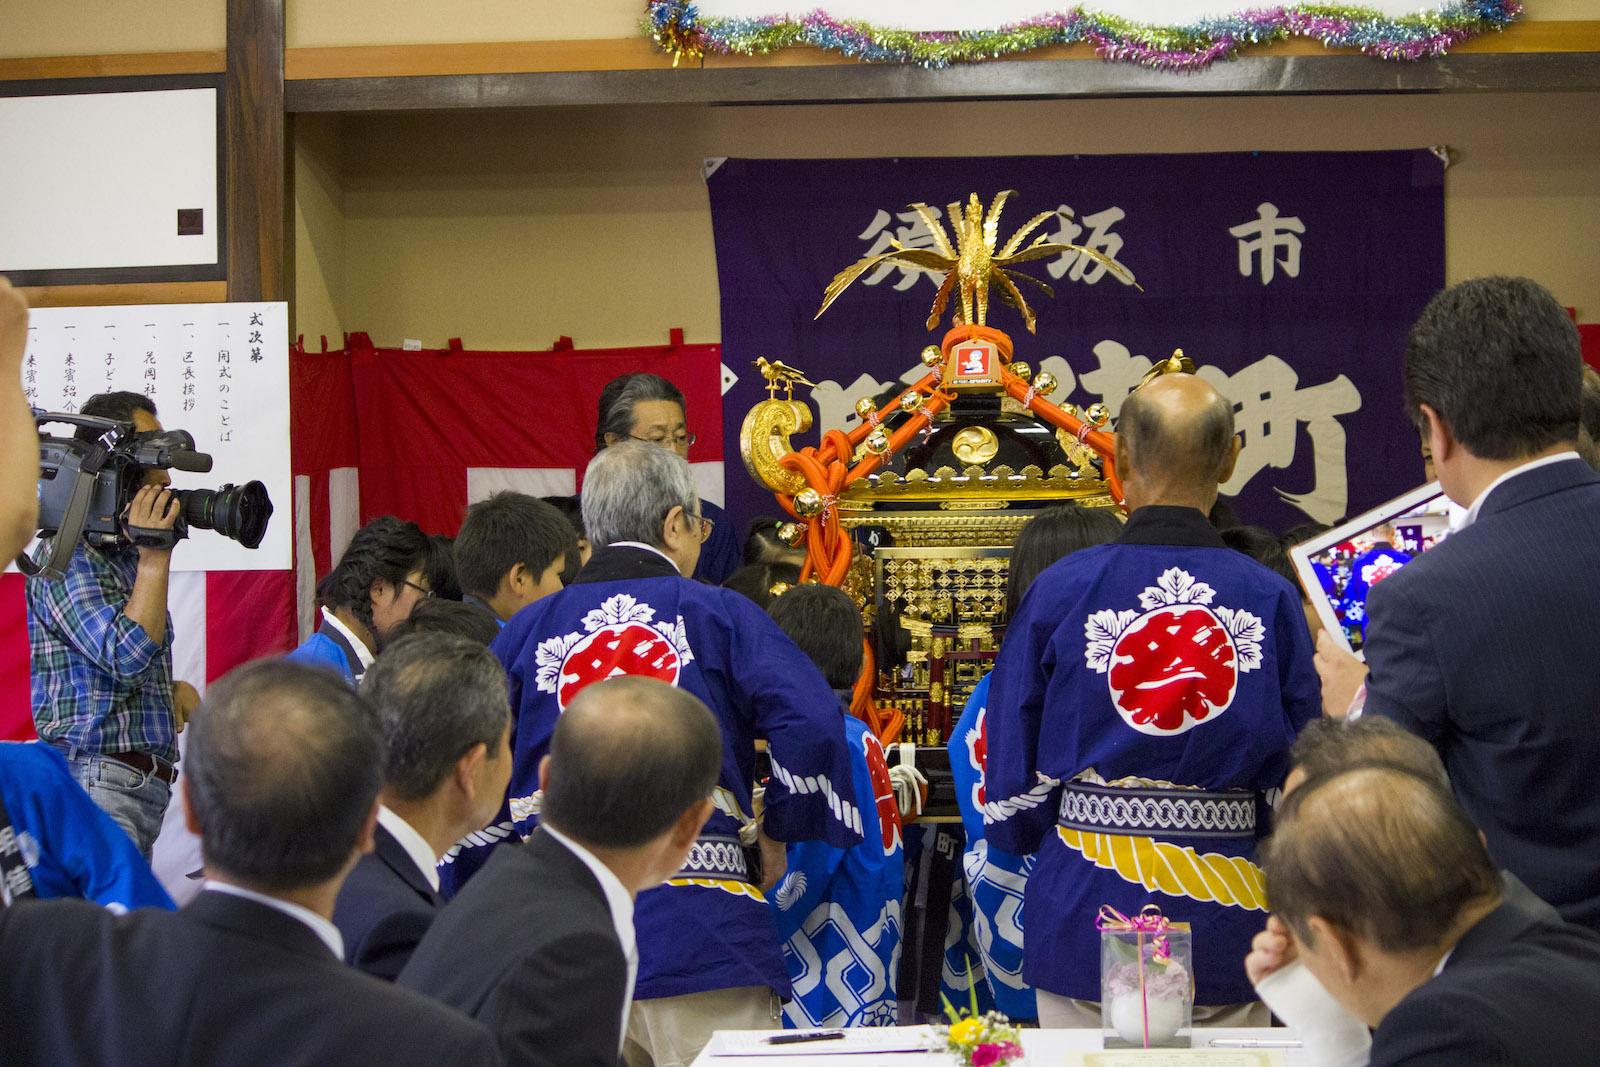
(833, 901)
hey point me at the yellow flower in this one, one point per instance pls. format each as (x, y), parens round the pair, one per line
(967, 1031)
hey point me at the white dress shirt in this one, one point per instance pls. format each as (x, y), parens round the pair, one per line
(363, 653)
(321, 927)
(618, 900)
(647, 548)
(415, 844)
(1477, 505)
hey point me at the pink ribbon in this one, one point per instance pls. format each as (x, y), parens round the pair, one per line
(1148, 921)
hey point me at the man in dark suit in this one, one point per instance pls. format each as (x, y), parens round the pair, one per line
(1385, 892)
(281, 781)
(539, 946)
(446, 723)
(1486, 644)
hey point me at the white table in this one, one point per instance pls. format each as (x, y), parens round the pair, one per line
(1044, 1047)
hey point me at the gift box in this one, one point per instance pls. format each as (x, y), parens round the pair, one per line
(1146, 979)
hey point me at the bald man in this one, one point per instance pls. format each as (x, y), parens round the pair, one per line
(1384, 890)
(1147, 693)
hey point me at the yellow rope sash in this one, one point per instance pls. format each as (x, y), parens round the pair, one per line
(1175, 870)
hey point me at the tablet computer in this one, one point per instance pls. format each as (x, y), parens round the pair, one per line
(1339, 568)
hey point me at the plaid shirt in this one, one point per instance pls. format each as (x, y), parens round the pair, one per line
(100, 683)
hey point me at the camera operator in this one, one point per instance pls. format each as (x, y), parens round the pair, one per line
(101, 647)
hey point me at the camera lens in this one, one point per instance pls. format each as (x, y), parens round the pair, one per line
(239, 512)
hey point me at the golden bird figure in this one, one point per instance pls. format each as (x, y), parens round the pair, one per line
(972, 264)
(780, 375)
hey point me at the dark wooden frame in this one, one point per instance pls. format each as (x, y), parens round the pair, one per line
(997, 80)
(257, 189)
(184, 272)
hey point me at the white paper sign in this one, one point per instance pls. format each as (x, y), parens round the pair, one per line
(219, 371)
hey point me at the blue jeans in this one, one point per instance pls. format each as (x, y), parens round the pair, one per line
(136, 801)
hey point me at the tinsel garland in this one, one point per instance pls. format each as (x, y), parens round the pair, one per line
(677, 27)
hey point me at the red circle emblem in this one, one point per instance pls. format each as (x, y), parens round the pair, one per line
(611, 651)
(883, 793)
(1172, 669)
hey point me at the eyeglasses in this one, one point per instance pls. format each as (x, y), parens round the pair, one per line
(427, 594)
(683, 440)
(706, 526)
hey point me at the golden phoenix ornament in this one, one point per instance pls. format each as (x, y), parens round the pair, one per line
(972, 263)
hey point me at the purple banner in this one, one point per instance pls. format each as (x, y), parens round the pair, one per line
(1290, 278)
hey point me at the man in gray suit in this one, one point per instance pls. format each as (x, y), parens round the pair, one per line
(1487, 645)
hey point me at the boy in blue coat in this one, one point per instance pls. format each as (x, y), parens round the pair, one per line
(838, 909)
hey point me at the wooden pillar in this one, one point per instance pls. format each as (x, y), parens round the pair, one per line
(257, 202)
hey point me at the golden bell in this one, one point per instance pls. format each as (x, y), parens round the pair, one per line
(1098, 414)
(1044, 383)
(791, 533)
(865, 407)
(1021, 370)
(911, 401)
(932, 355)
(878, 442)
(808, 503)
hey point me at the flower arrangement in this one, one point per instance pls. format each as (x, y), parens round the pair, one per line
(979, 1039)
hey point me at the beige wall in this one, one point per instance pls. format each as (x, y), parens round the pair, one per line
(90, 27)
(319, 232)
(79, 27)
(512, 229)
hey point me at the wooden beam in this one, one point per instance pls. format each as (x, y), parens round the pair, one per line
(130, 64)
(256, 201)
(638, 53)
(58, 296)
(996, 80)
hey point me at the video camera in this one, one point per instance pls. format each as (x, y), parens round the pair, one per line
(85, 488)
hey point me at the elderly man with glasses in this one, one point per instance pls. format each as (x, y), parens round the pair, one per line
(709, 956)
(648, 408)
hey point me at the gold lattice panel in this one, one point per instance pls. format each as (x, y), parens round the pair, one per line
(943, 585)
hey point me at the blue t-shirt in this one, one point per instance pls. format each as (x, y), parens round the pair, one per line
(71, 847)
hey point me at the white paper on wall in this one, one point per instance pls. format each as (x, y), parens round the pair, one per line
(219, 371)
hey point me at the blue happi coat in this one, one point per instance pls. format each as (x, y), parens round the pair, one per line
(1159, 665)
(995, 878)
(838, 909)
(629, 612)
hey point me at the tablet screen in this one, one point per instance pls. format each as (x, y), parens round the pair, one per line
(1340, 568)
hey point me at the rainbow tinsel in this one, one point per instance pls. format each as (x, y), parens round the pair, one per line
(678, 28)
